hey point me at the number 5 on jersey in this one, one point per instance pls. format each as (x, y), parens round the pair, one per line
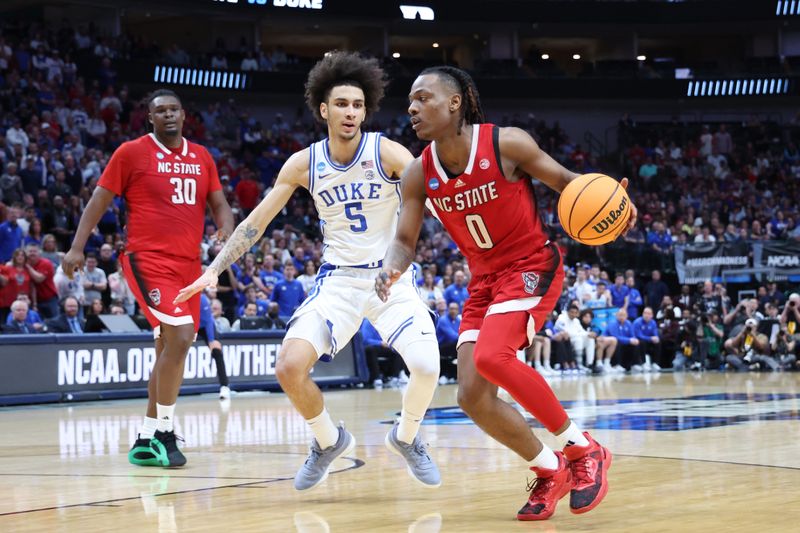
(185, 190)
(479, 232)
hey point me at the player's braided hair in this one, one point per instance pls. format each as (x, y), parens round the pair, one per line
(162, 92)
(345, 68)
(471, 109)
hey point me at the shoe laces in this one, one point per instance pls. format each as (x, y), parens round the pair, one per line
(314, 452)
(420, 449)
(539, 487)
(583, 469)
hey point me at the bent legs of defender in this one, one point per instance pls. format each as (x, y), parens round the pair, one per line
(293, 367)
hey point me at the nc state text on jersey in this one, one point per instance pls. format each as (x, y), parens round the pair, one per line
(467, 199)
(182, 169)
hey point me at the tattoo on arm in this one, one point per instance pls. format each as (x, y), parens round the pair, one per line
(242, 239)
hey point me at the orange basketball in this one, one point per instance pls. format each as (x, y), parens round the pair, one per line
(594, 209)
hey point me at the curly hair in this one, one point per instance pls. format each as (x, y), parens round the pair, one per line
(345, 68)
(460, 81)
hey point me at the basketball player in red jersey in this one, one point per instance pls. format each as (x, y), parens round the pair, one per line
(166, 182)
(476, 178)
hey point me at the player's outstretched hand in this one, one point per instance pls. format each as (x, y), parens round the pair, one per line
(72, 261)
(384, 281)
(209, 278)
(634, 211)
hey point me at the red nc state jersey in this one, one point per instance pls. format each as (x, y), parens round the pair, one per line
(165, 193)
(493, 221)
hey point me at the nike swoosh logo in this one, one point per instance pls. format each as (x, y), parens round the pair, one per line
(427, 332)
(323, 176)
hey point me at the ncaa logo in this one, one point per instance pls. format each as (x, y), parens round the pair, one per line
(159, 155)
(484, 164)
(433, 183)
(531, 281)
(155, 296)
(320, 166)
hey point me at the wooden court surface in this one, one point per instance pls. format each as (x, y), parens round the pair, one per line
(712, 452)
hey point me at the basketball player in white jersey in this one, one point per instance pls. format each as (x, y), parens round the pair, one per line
(354, 180)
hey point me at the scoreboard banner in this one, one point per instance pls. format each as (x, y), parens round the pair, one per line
(62, 367)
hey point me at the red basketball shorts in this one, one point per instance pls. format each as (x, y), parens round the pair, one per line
(155, 280)
(532, 285)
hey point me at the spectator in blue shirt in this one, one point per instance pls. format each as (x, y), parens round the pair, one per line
(457, 292)
(377, 351)
(634, 298)
(447, 334)
(289, 292)
(10, 235)
(658, 239)
(628, 345)
(33, 319)
(207, 331)
(447, 325)
(646, 330)
(268, 274)
(619, 291)
(251, 296)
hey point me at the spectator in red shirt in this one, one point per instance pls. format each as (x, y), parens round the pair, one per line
(18, 282)
(42, 273)
(248, 191)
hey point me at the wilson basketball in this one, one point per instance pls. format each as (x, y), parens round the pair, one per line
(594, 209)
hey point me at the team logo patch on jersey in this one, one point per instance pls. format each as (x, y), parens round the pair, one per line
(531, 281)
(155, 296)
(484, 164)
(433, 183)
(159, 155)
(320, 166)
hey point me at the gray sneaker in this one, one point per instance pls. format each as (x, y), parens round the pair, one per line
(420, 465)
(315, 470)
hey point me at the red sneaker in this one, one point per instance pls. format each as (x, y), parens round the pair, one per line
(589, 466)
(548, 487)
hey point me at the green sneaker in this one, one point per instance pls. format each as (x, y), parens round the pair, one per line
(141, 454)
(164, 447)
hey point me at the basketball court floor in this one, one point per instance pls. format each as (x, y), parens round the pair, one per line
(710, 452)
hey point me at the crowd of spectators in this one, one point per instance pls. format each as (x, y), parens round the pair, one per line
(60, 123)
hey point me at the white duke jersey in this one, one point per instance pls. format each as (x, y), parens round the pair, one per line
(358, 204)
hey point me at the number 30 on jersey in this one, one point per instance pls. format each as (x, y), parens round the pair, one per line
(185, 191)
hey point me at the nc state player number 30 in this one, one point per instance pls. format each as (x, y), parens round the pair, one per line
(185, 190)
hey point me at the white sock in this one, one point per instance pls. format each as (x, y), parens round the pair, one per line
(166, 414)
(325, 431)
(546, 459)
(571, 436)
(409, 426)
(148, 428)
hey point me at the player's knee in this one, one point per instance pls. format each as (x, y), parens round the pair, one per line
(422, 359)
(487, 361)
(291, 366)
(471, 398)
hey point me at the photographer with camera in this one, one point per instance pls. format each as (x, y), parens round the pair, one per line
(783, 349)
(749, 348)
(712, 339)
(790, 317)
